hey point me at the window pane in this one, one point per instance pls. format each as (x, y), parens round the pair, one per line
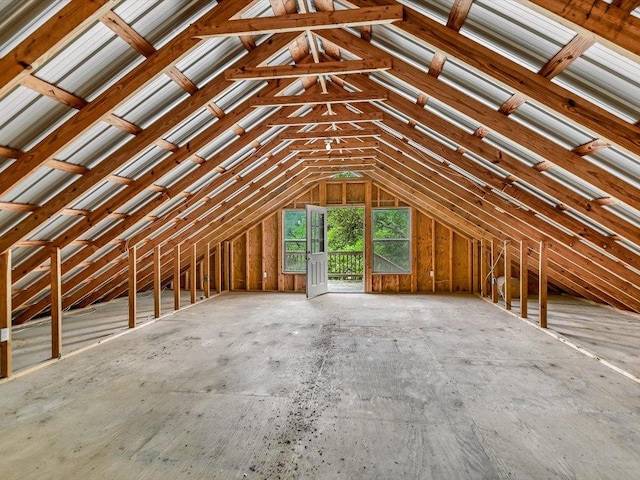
(391, 240)
(295, 241)
(391, 223)
(391, 256)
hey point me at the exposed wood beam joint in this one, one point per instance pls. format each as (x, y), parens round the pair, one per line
(319, 98)
(590, 147)
(299, 22)
(56, 93)
(458, 14)
(512, 104)
(561, 60)
(326, 119)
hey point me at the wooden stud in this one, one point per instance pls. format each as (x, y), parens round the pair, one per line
(5, 314)
(524, 278)
(542, 289)
(280, 250)
(218, 271)
(433, 255)
(133, 283)
(227, 266)
(247, 261)
(263, 271)
(176, 277)
(507, 275)
(157, 286)
(483, 268)
(56, 304)
(494, 263)
(368, 239)
(193, 270)
(206, 265)
(450, 260)
(470, 259)
(414, 250)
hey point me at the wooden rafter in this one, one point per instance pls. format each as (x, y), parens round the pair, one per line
(326, 119)
(614, 26)
(569, 53)
(605, 124)
(49, 39)
(333, 147)
(299, 22)
(110, 99)
(344, 133)
(458, 14)
(319, 98)
(295, 71)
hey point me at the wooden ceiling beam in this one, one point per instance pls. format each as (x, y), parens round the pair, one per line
(326, 119)
(520, 134)
(49, 39)
(299, 22)
(123, 30)
(318, 99)
(477, 201)
(458, 14)
(626, 5)
(334, 148)
(567, 55)
(51, 91)
(113, 97)
(333, 163)
(318, 135)
(344, 67)
(612, 26)
(10, 152)
(567, 104)
(142, 141)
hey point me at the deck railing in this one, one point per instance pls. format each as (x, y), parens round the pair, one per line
(342, 265)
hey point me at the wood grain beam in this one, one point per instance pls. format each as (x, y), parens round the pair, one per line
(612, 25)
(56, 303)
(319, 98)
(458, 14)
(51, 91)
(333, 147)
(5, 314)
(326, 119)
(49, 39)
(568, 104)
(113, 97)
(344, 67)
(567, 54)
(344, 133)
(299, 22)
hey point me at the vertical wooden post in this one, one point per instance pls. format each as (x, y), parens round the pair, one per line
(176, 278)
(219, 267)
(524, 277)
(450, 260)
(5, 314)
(201, 276)
(133, 283)
(193, 270)
(494, 264)
(473, 271)
(227, 266)
(414, 250)
(542, 295)
(483, 268)
(433, 255)
(56, 303)
(229, 273)
(507, 275)
(247, 261)
(263, 269)
(157, 275)
(206, 265)
(280, 250)
(368, 239)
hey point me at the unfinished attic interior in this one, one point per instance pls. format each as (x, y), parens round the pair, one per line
(451, 164)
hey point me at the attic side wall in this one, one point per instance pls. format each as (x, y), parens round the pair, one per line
(256, 254)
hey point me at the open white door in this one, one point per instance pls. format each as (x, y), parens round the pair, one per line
(317, 258)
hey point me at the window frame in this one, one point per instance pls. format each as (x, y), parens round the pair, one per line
(409, 241)
(285, 240)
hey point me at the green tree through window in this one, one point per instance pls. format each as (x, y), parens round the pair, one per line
(295, 241)
(391, 240)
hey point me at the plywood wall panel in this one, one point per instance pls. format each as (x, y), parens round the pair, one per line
(254, 257)
(239, 264)
(460, 264)
(270, 242)
(443, 266)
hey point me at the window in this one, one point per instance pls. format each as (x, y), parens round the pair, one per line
(391, 240)
(295, 241)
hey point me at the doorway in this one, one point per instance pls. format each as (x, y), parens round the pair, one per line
(345, 239)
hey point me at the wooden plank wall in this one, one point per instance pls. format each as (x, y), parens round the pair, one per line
(256, 258)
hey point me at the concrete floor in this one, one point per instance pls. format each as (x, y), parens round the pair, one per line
(341, 386)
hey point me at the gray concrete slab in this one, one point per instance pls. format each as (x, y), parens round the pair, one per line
(341, 386)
